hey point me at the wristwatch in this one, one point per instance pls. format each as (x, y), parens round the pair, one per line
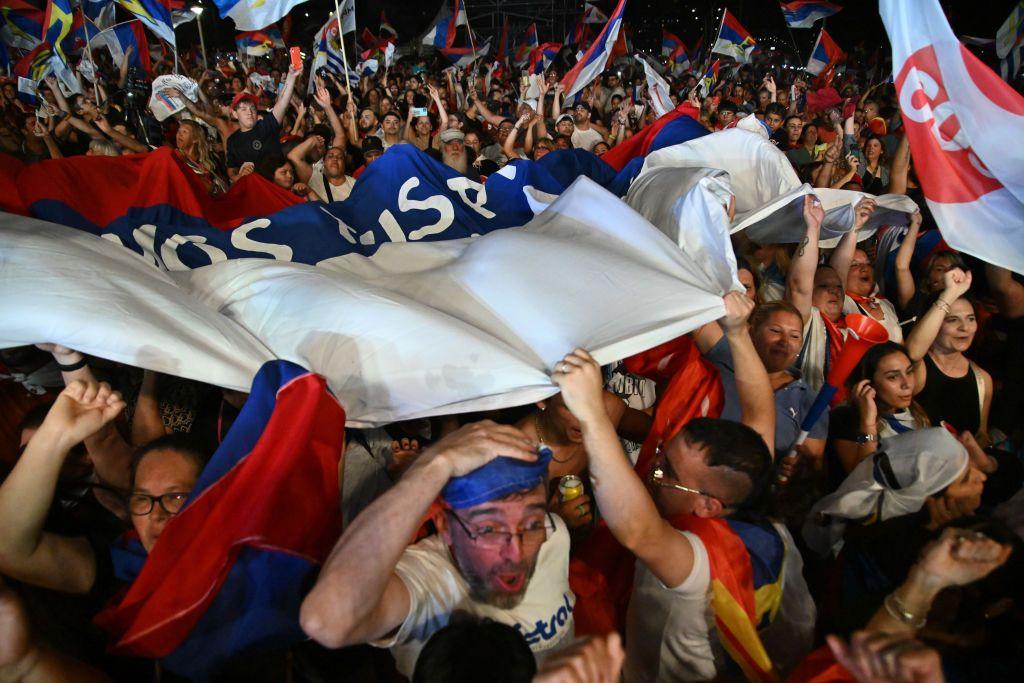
(866, 438)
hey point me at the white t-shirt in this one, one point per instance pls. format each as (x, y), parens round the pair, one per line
(318, 182)
(670, 632)
(437, 589)
(586, 139)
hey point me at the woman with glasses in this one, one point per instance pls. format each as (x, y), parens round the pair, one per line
(163, 474)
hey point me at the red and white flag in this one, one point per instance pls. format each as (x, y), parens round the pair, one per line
(960, 118)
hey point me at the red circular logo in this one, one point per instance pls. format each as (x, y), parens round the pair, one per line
(949, 170)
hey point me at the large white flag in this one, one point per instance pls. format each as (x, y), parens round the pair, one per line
(964, 124)
(418, 329)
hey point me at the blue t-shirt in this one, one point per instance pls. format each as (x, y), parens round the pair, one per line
(792, 402)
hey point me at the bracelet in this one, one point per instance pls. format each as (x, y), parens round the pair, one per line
(898, 611)
(942, 305)
(78, 365)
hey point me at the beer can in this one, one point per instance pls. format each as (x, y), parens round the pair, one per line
(569, 487)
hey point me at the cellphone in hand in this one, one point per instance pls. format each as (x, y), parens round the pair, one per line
(296, 53)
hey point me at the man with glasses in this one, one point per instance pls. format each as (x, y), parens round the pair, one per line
(497, 554)
(682, 526)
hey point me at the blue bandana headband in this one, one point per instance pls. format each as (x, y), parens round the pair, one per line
(497, 479)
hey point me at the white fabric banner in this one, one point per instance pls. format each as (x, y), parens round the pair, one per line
(769, 193)
(960, 118)
(418, 329)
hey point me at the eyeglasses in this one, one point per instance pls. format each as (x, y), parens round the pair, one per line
(493, 537)
(141, 504)
(658, 478)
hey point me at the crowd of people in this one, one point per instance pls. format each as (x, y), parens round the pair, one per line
(893, 540)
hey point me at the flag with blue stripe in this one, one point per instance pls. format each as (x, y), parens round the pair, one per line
(21, 24)
(219, 584)
(154, 15)
(734, 40)
(825, 53)
(804, 13)
(252, 16)
(596, 57)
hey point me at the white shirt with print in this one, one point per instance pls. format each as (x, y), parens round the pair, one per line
(437, 589)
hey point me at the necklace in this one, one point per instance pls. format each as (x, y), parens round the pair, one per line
(540, 435)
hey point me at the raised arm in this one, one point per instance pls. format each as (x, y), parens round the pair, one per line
(125, 141)
(753, 388)
(297, 156)
(622, 497)
(323, 98)
(509, 147)
(899, 169)
(489, 116)
(28, 553)
(927, 328)
(842, 255)
(358, 597)
(905, 285)
(800, 277)
(285, 96)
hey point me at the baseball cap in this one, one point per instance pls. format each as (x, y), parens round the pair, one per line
(452, 134)
(245, 97)
(563, 117)
(372, 145)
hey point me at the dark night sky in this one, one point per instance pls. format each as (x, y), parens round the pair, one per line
(858, 22)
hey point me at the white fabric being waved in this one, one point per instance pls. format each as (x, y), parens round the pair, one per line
(894, 481)
(62, 285)
(964, 124)
(769, 194)
(428, 328)
(418, 329)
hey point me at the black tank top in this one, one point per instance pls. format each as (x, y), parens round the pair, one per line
(952, 399)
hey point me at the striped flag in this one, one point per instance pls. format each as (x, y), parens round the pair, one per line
(219, 583)
(734, 40)
(253, 16)
(804, 13)
(526, 47)
(825, 54)
(596, 57)
(156, 16)
(542, 56)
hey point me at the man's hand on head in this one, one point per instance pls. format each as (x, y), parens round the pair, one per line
(474, 445)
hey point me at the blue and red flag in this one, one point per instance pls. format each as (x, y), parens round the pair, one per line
(825, 54)
(21, 24)
(504, 48)
(464, 56)
(155, 15)
(803, 13)
(228, 574)
(542, 56)
(35, 65)
(57, 23)
(259, 43)
(596, 57)
(579, 36)
(524, 49)
(670, 42)
(734, 40)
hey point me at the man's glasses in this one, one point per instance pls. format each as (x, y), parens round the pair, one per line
(659, 478)
(141, 504)
(490, 536)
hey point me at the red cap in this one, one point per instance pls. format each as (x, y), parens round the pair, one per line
(245, 97)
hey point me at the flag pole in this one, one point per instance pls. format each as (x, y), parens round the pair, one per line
(469, 29)
(88, 52)
(341, 38)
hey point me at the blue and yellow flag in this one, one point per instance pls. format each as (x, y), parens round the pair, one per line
(154, 15)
